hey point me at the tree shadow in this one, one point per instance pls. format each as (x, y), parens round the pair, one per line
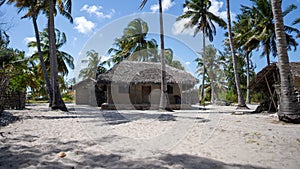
(19, 153)
(196, 162)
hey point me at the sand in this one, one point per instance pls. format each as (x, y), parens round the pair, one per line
(87, 137)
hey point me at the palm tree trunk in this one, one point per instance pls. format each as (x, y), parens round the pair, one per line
(57, 102)
(289, 109)
(163, 104)
(45, 73)
(248, 77)
(204, 69)
(212, 92)
(241, 101)
(268, 59)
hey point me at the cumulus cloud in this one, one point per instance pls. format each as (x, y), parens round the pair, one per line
(29, 39)
(97, 10)
(166, 4)
(30, 51)
(178, 28)
(216, 8)
(187, 63)
(82, 25)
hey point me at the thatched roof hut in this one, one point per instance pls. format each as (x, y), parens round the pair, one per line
(145, 72)
(267, 81)
(136, 85)
(270, 75)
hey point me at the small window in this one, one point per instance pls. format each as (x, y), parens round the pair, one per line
(123, 88)
(170, 89)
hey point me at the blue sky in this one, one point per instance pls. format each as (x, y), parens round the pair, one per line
(98, 22)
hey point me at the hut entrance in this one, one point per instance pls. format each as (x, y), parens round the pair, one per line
(146, 90)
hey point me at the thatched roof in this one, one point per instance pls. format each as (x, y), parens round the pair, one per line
(271, 73)
(295, 68)
(145, 72)
(85, 82)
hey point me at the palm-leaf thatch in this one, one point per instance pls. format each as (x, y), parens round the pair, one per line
(145, 72)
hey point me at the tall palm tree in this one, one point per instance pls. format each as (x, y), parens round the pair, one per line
(262, 27)
(33, 8)
(203, 20)
(241, 101)
(241, 33)
(65, 60)
(95, 66)
(64, 8)
(289, 110)
(163, 104)
(213, 69)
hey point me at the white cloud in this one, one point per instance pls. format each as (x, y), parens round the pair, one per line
(216, 7)
(104, 58)
(97, 10)
(29, 39)
(178, 28)
(166, 4)
(82, 25)
(30, 51)
(187, 63)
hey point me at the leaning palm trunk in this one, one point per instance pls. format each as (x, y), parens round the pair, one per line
(204, 70)
(212, 91)
(46, 77)
(241, 101)
(289, 110)
(57, 102)
(163, 104)
(248, 78)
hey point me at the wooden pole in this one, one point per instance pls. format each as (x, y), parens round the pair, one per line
(270, 92)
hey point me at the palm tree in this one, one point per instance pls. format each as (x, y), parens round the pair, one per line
(95, 66)
(163, 104)
(203, 20)
(65, 60)
(241, 101)
(262, 27)
(289, 110)
(169, 55)
(133, 45)
(297, 21)
(65, 9)
(33, 8)
(213, 69)
(242, 31)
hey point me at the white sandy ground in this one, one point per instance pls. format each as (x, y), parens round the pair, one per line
(90, 138)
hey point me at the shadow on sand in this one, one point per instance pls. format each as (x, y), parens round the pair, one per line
(15, 153)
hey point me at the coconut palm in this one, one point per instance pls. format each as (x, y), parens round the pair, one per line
(169, 56)
(64, 7)
(33, 8)
(133, 45)
(262, 27)
(95, 65)
(213, 69)
(297, 21)
(203, 21)
(289, 110)
(242, 31)
(64, 59)
(241, 101)
(163, 103)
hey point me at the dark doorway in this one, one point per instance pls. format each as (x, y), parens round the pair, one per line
(146, 90)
